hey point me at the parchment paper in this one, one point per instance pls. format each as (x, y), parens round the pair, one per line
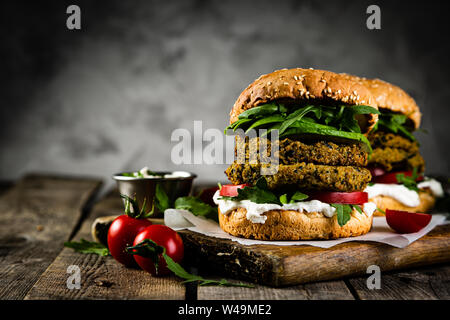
(183, 219)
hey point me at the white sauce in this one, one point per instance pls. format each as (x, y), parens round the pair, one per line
(434, 185)
(398, 192)
(402, 194)
(176, 174)
(369, 208)
(255, 211)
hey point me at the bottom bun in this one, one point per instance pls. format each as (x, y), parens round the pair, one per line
(293, 225)
(427, 202)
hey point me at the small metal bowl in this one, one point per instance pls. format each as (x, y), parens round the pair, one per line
(144, 188)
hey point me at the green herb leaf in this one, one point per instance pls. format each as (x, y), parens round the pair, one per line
(264, 121)
(394, 123)
(409, 182)
(161, 198)
(262, 110)
(298, 196)
(197, 207)
(85, 246)
(382, 211)
(283, 199)
(294, 117)
(180, 272)
(357, 207)
(343, 212)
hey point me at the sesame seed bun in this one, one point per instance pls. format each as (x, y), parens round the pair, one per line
(308, 84)
(427, 202)
(293, 225)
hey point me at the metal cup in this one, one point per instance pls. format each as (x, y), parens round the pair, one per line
(144, 188)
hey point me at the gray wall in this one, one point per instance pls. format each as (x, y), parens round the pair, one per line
(107, 98)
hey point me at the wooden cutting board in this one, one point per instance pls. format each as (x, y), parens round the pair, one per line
(290, 265)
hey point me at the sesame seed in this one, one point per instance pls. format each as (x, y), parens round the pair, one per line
(285, 83)
(295, 78)
(269, 83)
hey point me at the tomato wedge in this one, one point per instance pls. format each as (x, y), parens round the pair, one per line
(231, 190)
(357, 197)
(391, 177)
(407, 222)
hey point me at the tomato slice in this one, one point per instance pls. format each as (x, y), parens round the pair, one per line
(357, 197)
(231, 190)
(407, 222)
(391, 177)
(375, 172)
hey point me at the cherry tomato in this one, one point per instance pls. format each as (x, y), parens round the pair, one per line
(375, 172)
(121, 234)
(164, 237)
(391, 177)
(206, 195)
(407, 222)
(357, 197)
(231, 190)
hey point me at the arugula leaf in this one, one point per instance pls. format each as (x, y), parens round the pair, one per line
(339, 121)
(409, 182)
(264, 121)
(357, 207)
(298, 196)
(262, 110)
(394, 123)
(196, 207)
(180, 272)
(294, 117)
(259, 193)
(283, 199)
(343, 212)
(161, 199)
(85, 246)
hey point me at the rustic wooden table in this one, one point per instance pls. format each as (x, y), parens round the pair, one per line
(39, 212)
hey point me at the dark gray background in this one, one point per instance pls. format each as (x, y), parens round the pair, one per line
(107, 97)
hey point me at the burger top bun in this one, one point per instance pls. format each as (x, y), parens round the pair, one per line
(308, 84)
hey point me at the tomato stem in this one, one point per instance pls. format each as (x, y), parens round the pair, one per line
(148, 249)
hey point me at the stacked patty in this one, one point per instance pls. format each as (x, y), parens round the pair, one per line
(393, 152)
(314, 165)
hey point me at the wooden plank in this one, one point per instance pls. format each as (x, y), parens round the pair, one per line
(37, 215)
(330, 290)
(426, 283)
(102, 277)
(282, 266)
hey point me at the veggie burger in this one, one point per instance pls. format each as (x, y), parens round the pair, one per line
(341, 138)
